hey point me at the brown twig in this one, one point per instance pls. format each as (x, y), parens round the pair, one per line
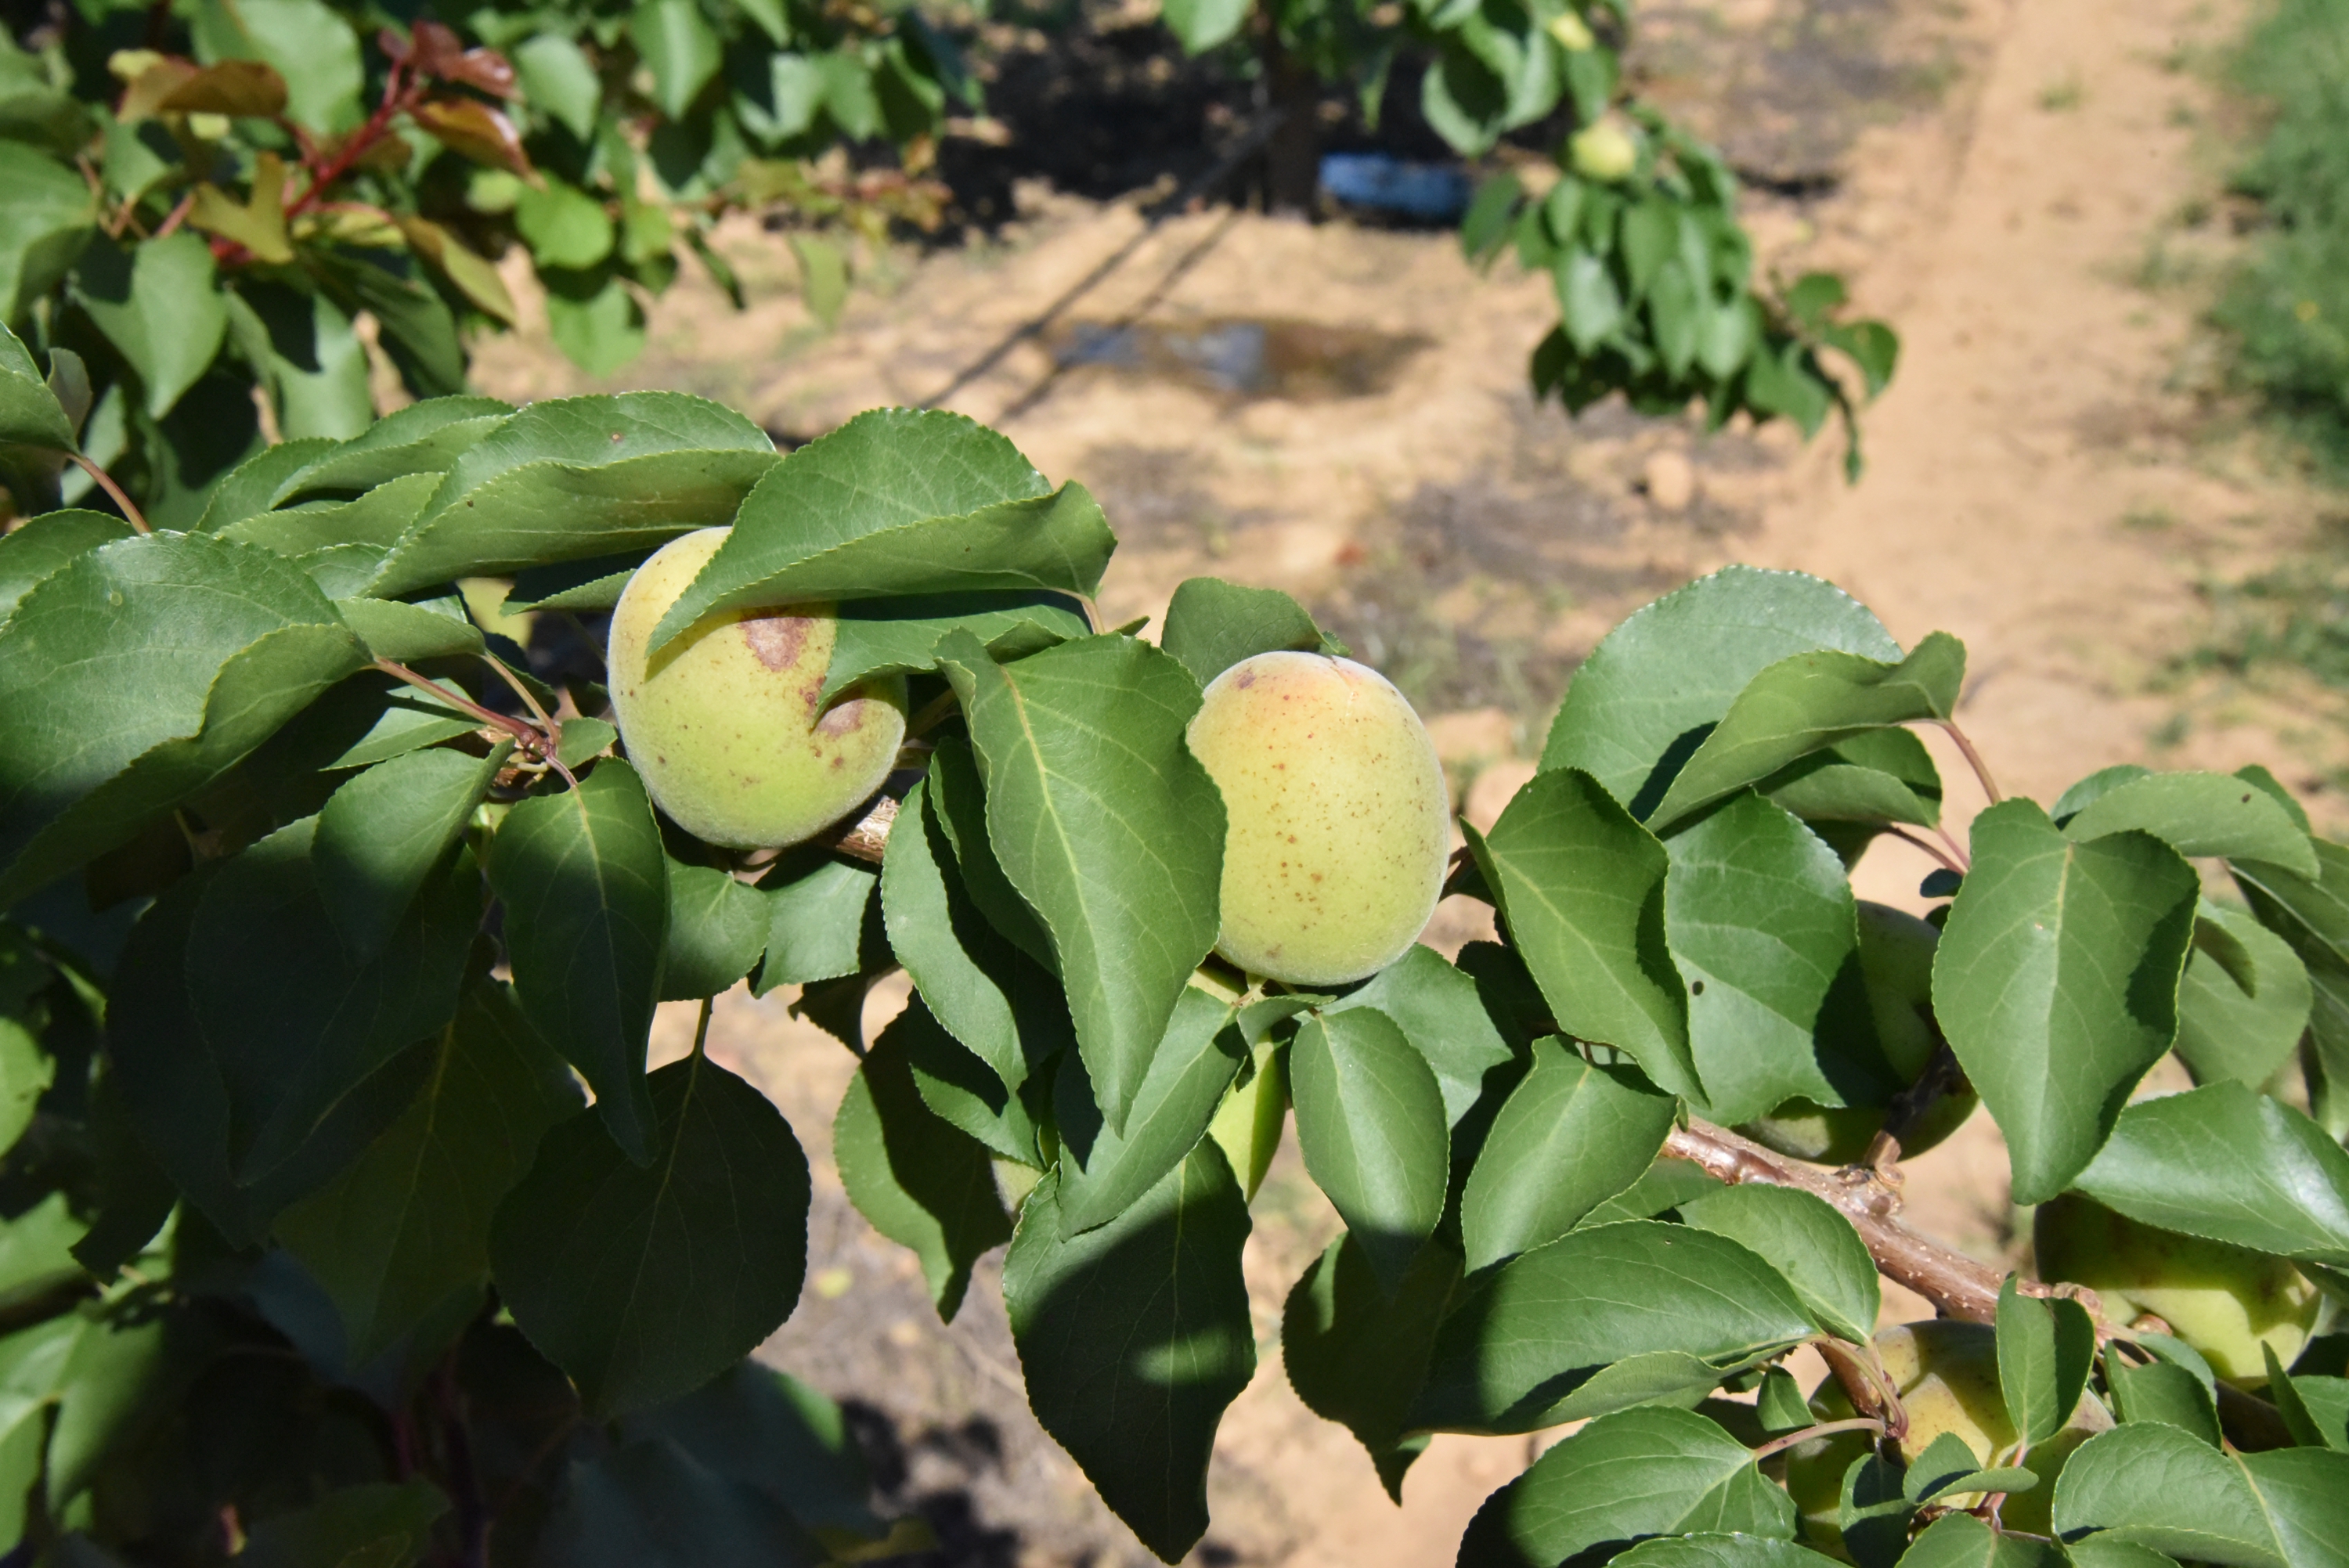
(1973, 760)
(533, 740)
(130, 512)
(867, 836)
(177, 216)
(1942, 1076)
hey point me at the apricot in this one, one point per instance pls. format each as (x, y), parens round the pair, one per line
(1605, 150)
(723, 723)
(1337, 817)
(2224, 1301)
(1896, 963)
(1946, 1373)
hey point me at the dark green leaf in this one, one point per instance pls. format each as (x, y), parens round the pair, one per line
(585, 888)
(967, 1093)
(2200, 814)
(1719, 1550)
(1649, 694)
(381, 833)
(373, 1526)
(1134, 1336)
(1437, 1009)
(1624, 1478)
(1805, 703)
(2314, 1408)
(2240, 1015)
(918, 1179)
(1872, 1514)
(2163, 1392)
(1879, 775)
(2155, 1486)
(424, 438)
(1212, 624)
(1103, 1173)
(1356, 1353)
(407, 1225)
(159, 304)
(1780, 1405)
(650, 1504)
(716, 930)
(1512, 1356)
(1580, 886)
(30, 415)
(396, 630)
(408, 720)
(773, 1432)
(1759, 918)
(2056, 982)
(1371, 1124)
(959, 799)
(644, 1282)
(1106, 825)
(137, 673)
(2046, 1348)
(1806, 1241)
(1569, 1137)
(579, 477)
(38, 547)
(2231, 1165)
(899, 635)
(823, 916)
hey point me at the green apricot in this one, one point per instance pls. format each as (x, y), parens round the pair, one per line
(723, 722)
(1896, 963)
(1604, 152)
(1337, 817)
(2224, 1301)
(1946, 1373)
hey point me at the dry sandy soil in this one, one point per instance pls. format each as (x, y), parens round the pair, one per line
(2042, 480)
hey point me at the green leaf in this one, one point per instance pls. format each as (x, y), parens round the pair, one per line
(1649, 694)
(406, 721)
(37, 1258)
(30, 414)
(42, 544)
(1808, 1242)
(1626, 1476)
(574, 477)
(2166, 1393)
(716, 931)
(378, 1525)
(823, 273)
(1569, 1137)
(1722, 1550)
(1511, 1355)
(2230, 1165)
(1948, 1468)
(310, 356)
(1212, 624)
(585, 888)
(564, 226)
(1759, 918)
(1588, 302)
(137, 674)
(426, 438)
(159, 304)
(1806, 703)
(306, 41)
(1872, 1514)
(966, 1091)
(1201, 24)
(397, 630)
(1439, 1011)
(2155, 1486)
(1580, 886)
(2315, 1408)
(1491, 211)
(900, 503)
(918, 1179)
(958, 798)
(2046, 1348)
(2239, 1018)
(46, 214)
(556, 77)
(680, 49)
(407, 1225)
(382, 833)
(2314, 917)
(646, 1281)
(898, 636)
(1106, 825)
(1134, 1336)
(767, 1429)
(1780, 1405)
(2056, 982)
(1102, 1172)
(1370, 1125)
(297, 1021)
(824, 920)
(2200, 814)
(1356, 1353)
(650, 1504)
(987, 994)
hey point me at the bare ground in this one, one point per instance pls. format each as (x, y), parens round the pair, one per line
(2047, 479)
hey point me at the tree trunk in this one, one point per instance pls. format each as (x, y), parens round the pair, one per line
(1292, 156)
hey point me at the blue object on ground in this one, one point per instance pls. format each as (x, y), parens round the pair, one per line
(1437, 193)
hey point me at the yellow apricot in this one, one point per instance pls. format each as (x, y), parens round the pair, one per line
(2224, 1301)
(723, 721)
(1605, 150)
(1337, 817)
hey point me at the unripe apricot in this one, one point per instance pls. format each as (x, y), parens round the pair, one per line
(2224, 1301)
(723, 722)
(1946, 1373)
(1896, 963)
(1337, 817)
(1604, 152)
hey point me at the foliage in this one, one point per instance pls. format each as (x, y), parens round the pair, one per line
(2288, 303)
(1638, 228)
(203, 198)
(314, 1251)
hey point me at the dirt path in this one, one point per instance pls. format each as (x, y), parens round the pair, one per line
(2036, 484)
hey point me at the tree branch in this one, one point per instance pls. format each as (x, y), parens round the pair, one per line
(866, 837)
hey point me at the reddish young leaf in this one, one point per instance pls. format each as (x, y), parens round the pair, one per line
(474, 129)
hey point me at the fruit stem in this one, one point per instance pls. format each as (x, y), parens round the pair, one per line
(1824, 1429)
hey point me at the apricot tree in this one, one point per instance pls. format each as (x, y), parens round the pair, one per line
(346, 1223)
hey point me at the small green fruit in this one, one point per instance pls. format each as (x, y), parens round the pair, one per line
(1337, 836)
(2224, 1301)
(1605, 151)
(723, 722)
(1946, 1373)
(1896, 962)
(1572, 32)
